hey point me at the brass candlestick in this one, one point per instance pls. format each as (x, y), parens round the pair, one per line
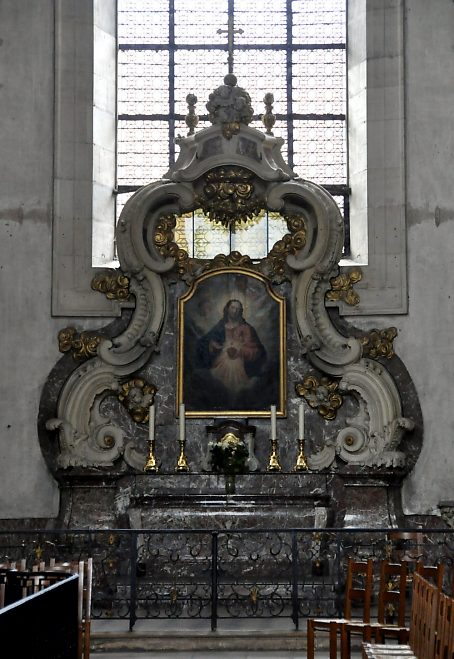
(301, 464)
(151, 465)
(273, 463)
(182, 464)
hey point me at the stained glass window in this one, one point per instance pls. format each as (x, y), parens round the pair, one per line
(295, 49)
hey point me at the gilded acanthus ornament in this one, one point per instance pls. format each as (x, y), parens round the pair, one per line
(342, 287)
(379, 343)
(322, 395)
(229, 196)
(230, 106)
(113, 283)
(289, 244)
(232, 260)
(137, 396)
(83, 346)
(164, 239)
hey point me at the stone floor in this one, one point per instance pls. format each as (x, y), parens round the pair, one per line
(188, 654)
(252, 639)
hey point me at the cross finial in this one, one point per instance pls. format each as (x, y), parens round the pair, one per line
(230, 39)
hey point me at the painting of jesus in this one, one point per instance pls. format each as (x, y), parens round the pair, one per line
(231, 346)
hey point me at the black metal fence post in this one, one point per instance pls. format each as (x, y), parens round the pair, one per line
(133, 581)
(338, 562)
(214, 581)
(295, 601)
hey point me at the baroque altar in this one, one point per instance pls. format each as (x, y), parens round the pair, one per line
(167, 356)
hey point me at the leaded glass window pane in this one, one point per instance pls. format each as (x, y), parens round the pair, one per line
(294, 48)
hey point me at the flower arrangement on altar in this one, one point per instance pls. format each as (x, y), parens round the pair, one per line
(228, 455)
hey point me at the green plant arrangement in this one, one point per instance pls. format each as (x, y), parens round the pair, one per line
(228, 457)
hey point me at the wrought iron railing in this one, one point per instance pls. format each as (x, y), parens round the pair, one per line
(217, 574)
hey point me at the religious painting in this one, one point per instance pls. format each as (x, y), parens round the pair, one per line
(231, 352)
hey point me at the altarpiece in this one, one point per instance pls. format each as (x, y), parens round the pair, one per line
(221, 343)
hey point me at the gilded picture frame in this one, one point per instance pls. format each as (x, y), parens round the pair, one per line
(231, 346)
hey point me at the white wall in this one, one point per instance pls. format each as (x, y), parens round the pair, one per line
(29, 348)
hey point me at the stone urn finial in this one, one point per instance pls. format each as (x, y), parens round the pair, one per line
(230, 106)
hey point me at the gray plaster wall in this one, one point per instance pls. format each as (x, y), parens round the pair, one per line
(424, 342)
(29, 347)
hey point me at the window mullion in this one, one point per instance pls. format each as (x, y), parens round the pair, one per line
(171, 82)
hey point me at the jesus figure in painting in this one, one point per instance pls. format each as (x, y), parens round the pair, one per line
(232, 349)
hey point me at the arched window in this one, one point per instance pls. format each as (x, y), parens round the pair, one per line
(293, 48)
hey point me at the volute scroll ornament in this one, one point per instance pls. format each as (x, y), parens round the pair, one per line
(372, 437)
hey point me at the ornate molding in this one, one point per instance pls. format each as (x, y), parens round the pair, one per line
(276, 261)
(164, 239)
(112, 283)
(372, 437)
(321, 394)
(82, 346)
(87, 437)
(342, 287)
(137, 395)
(229, 196)
(232, 260)
(379, 343)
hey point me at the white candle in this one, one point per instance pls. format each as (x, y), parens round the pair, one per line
(151, 413)
(273, 421)
(301, 420)
(181, 422)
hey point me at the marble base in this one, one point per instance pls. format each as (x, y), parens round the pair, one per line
(201, 501)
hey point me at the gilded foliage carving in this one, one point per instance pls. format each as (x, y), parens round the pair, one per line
(229, 196)
(82, 346)
(232, 260)
(379, 343)
(113, 283)
(137, 395)
(288, 244)
(342, 287)
(321, 394)
(164, 239)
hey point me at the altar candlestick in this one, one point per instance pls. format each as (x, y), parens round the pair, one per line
(181, 422)
(273, 421)
(151, 420)
(301, 420)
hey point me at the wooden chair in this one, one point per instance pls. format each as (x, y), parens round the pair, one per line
(423, 626)
(355, 594)
(434, 573)
(391, 603)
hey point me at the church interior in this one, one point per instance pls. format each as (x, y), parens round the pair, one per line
(224, 431)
